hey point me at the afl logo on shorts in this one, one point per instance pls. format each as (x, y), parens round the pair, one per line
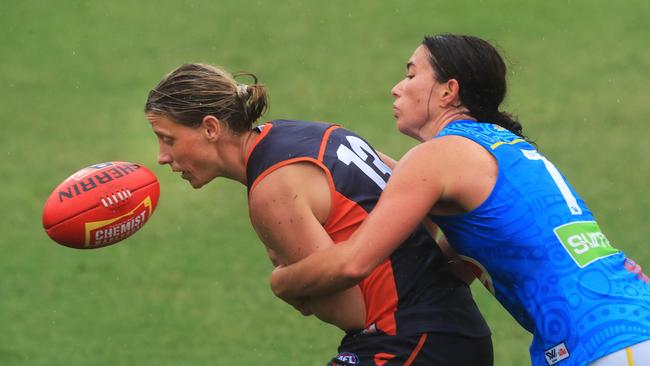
(345, 359)
(479, 271)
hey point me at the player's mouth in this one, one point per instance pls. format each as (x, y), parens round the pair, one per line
(184, 175)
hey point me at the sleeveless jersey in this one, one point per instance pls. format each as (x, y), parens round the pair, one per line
(407, 294)
(538, 249)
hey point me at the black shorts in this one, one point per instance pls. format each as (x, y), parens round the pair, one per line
(430, 349)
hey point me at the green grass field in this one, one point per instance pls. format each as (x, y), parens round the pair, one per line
(192, 287)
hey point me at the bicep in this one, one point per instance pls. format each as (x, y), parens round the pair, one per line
(274, 257)
(282, 213)
(287, 220)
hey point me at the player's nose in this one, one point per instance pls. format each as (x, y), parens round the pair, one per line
(396, 91)
(164, 158)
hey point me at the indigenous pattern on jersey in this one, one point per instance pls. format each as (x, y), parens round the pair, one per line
(537, 247)
(408, 293)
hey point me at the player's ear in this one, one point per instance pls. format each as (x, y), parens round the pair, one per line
(211, 127)
(450, 93)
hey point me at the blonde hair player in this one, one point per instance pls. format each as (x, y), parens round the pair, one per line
(309, 186)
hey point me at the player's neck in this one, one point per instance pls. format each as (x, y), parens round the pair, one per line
(435, 126)
(242, 145)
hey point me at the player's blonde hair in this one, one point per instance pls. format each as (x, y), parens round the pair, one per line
(193, 91)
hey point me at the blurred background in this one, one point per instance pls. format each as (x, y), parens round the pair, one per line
(191, 288)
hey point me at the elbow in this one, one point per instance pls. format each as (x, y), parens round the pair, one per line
(352, 272)
(352, 266)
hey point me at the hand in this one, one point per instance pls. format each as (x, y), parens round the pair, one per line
(275, 281)
(299, 303)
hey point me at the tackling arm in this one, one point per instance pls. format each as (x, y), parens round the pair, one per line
(412, 190)
(460, 269)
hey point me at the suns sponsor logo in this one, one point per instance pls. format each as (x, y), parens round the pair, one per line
(584, 242)
(110, 231)
(85, 181)
(556, 354)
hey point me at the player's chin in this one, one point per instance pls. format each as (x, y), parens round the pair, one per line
(191, 179)
(407, 129)
(197, 183)
(404, 129)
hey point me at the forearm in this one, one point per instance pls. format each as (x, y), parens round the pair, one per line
(345, 309)
(406, 200)
(348, 263)
(309, 277)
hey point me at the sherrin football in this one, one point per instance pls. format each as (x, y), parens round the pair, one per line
(101, 205)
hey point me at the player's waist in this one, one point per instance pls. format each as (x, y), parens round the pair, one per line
(448, 309)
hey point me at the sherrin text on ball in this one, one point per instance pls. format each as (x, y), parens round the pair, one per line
(101, 205)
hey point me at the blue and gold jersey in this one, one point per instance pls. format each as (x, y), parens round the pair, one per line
(536, 246)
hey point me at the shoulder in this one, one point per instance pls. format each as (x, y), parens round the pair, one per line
(445, 152)
(302, 185)
(458, 148)
(292, 177)
(438, 165)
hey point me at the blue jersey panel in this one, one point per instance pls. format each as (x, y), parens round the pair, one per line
(545, 258)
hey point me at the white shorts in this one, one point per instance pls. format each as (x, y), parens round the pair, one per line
(636, 355)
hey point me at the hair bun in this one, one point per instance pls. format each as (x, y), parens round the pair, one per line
(242, 91)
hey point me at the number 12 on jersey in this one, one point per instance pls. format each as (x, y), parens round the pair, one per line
(364, 157)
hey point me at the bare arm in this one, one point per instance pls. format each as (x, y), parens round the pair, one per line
(452, 171)
(287, 209)
(274, 257)
(299, 303)
(460, 269)
(414, 187)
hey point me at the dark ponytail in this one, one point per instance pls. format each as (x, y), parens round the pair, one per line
(480, 72)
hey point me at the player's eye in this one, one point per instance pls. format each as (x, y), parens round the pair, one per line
(410, 76)
(166, 140)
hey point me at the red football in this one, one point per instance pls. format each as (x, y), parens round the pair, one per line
(101, 205)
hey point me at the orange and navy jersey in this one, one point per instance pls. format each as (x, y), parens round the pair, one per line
(409, 293)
